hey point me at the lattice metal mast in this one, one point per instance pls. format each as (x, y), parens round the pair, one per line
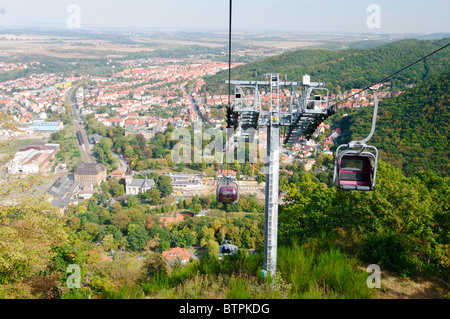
(299, 120)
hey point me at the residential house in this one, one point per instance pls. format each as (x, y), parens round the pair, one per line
(167, 220)
(177, 253)
(117, 174)
(227, 172)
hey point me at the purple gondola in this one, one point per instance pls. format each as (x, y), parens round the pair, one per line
(227, 192)
(356, 170)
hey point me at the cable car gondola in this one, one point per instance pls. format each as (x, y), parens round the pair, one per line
(227, 191)
(355, 168)
(227, 248)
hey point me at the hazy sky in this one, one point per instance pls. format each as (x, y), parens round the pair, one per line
(396, 16)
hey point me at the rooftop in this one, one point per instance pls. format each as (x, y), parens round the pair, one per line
(117, 172)
(144, 183)
(62, 191)
(42, 123)
(89, 169)
(176, 252)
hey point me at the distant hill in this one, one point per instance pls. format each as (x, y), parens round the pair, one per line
(413, 129)
(345, 69)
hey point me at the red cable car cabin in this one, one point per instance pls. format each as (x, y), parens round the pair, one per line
(355, 173)
(227, 192)
(356, 170)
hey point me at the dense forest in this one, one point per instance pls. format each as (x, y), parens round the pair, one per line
(413, 129)
(402, 225)
(346, 69)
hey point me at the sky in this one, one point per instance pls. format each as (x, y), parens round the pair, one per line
(356, 16)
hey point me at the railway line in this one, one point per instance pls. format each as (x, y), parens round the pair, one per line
(78, 129)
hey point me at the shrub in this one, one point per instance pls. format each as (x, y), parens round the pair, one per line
(389, 250)
(315, 269)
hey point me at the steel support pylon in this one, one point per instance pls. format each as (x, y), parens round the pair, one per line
(300, 120)
(272, 189)
(272, 175)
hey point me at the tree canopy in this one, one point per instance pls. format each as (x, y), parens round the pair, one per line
(344, 69)
(413, 130)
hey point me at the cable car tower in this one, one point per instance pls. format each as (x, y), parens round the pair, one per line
(297, 120)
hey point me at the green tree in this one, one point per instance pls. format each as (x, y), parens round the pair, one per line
(116, 189)
(169, 160)
(398, 213)
(212, 249)
(196, 208)
(137, 236)
(120, 220)
(154, 196)
(164, 184)
(128, 152)
(205, 235)
(30, 231)
(154, 265)
(109, 243)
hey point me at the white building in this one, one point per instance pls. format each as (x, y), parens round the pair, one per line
(32, 158)
(22, 163)
(137, 186)
(187, 180)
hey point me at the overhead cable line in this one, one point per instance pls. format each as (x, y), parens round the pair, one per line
(229, 111)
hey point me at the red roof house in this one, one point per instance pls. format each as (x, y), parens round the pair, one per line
(172, 254)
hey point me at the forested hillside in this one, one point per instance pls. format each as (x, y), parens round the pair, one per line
(403, 225)
(413, 129)
(346, 69)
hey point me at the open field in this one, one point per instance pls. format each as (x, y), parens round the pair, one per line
(68, 50)
(91, 45)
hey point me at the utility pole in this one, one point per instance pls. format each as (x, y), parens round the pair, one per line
(300, 120)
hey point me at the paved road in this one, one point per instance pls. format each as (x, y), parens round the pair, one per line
(122, 164)
(194, 104)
